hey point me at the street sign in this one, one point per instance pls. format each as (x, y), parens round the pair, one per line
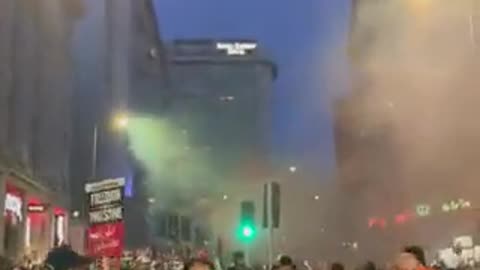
(105, 200)
(105, 212)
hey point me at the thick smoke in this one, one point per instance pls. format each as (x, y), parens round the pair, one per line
(420, 74)
(177, 173)
(414, 101)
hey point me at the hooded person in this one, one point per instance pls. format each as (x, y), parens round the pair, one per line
(64, 258)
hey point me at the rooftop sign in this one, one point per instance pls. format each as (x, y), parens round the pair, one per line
(237, 48)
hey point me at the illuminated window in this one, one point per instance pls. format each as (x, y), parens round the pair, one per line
(28, 232)
(60, 230)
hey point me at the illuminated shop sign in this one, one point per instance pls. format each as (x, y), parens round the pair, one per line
(59, 230)
(237, 48)
(36, 208)
(13, 204)
(28, 232)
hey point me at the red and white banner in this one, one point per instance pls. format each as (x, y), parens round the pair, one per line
(106, 240)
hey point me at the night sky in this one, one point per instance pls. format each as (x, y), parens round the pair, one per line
(303, 36)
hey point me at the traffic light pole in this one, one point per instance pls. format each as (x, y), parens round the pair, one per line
(247, 254)
(270, 245)
(270, 225)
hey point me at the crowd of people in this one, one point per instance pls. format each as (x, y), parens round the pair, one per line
(64, 258)
(59, 258)
(410, 258)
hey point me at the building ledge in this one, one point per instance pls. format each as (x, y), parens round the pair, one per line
(28, 183)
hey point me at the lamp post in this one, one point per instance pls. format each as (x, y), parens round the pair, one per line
(119, 122)
(94, 151)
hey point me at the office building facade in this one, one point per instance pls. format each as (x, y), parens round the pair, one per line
(224, 88)
(35, 138)
(221, 100)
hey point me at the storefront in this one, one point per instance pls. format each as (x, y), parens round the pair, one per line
(32, 222)
(13, 221)
(36, 226)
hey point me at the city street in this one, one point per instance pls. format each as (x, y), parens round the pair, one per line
(248, 135)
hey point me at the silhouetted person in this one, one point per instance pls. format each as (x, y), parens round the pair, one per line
(369, 265)
(285, 263)
(239, 262)
(199, 264)
(64, 258)
(337, 266)
(417, 252)
(406, 261)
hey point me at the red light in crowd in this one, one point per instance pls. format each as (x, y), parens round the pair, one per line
(57, 211)
(382, 223)
(401, 218)
(13, 190)
(404, 217)
(377, 222)
(372, 222)
(34, 201)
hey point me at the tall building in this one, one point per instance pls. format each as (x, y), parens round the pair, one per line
(121, 69)
(398, 133)
(36, 90)
(220, 100)
(221, 95)
(148, 88)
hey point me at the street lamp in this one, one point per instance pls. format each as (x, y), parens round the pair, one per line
(292, 169)
(120, 121)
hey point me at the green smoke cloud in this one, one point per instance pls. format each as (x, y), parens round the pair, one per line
(178, 174)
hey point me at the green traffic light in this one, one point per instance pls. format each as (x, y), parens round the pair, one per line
(247, 231)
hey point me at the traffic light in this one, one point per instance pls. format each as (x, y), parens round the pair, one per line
(247, 231)
(247, 228)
